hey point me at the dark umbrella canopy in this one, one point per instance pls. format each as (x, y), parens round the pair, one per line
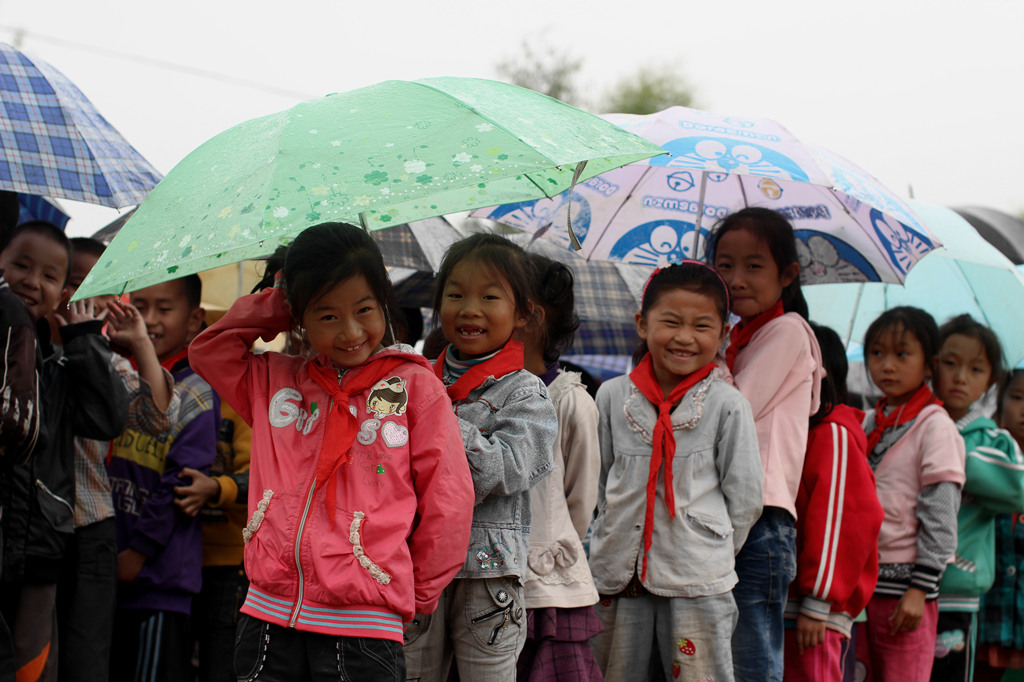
(1001, 230)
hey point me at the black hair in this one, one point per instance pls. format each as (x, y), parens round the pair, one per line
(965, 325)
(691, 276)
(192, 286)
(88, 246)
(47, 230)
(833, 384)
(500, 255)
(1004, 388)
(271, 266)
(329, 253)
(771, 228)
(908, 319)
(553, 289)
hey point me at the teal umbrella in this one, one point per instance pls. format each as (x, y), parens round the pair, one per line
(965, 275)
(382, 155)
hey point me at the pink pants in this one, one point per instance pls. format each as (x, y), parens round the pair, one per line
(823, 663)
(905, 657)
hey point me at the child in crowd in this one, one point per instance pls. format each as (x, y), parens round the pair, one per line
(918, 459)
(970, 362)
(160, 548)
(359, 493)
(680, 488)
(482, 298)
(560, 593)
(81, 396)
(1001, 628)
(776, 365)
(87, 592)
(837, 524)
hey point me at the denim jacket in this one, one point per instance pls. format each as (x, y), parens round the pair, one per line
(717, 478)
(508, 428)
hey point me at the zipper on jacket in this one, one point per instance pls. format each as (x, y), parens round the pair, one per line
(55, 496)
(298, 560)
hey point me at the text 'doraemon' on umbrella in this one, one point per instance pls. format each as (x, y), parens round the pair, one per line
(968, 275)
(53, 141)
(850, 226)
(378, 156)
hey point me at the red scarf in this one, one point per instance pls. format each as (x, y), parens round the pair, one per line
(342, 427)
(920, 400)
(741, 334)
(167, 364)
(507, 360)
(664, 446)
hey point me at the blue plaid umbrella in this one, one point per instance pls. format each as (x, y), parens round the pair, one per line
(53, 142)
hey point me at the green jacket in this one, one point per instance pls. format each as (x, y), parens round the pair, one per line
(995, 485)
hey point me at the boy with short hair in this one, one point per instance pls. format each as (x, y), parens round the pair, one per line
(81, 395)
(87, 591)
(160, 547)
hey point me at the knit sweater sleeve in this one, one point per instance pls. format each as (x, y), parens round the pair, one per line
(937, 507)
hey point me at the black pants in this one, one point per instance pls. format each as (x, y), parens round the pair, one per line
(280, 654)
(214, 620)
(86, 597)
(151, 646)
(955, 647)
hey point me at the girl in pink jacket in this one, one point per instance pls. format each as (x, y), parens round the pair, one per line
(776, 365)
(360, 497)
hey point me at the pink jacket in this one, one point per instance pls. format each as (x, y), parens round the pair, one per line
(779, 373)
(931, 451)
(404, 503)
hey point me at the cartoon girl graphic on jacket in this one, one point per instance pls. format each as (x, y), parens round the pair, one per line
(388, 398)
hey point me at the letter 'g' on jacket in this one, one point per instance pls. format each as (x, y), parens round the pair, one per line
(717, 476)
(404, 501)
(838, 524)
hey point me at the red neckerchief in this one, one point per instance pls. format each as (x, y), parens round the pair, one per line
(167, 364)
(342, 427)
(741, 334)
(920, 400)
(507, 360)
(664, 446)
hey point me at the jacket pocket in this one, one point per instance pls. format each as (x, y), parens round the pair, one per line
(355, 537)
(57, 511)
(708, 525)
(256, 520)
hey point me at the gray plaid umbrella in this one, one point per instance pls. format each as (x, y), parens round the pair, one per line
(53, 141)
(607, 294)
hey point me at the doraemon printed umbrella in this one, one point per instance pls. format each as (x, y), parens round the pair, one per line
(851, 228)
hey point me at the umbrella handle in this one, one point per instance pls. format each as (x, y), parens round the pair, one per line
(700, 211)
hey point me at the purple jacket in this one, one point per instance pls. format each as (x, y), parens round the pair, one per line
(143, 472)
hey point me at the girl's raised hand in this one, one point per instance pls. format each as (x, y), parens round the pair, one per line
(82, 311)
(126, 326)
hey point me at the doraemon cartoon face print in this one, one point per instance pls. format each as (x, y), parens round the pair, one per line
(387, 398)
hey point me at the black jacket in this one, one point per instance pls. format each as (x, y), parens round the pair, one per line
(81, 395)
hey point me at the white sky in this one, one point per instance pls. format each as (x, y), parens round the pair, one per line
(921, 94)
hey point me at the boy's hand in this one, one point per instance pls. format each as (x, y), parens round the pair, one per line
(82, 311)
(908, 613)
(809, 633)
(129, 563)
(126, 328)
(191, 498)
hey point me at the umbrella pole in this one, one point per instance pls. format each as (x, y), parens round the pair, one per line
(364, 222)
(700, 211)
(853, 316)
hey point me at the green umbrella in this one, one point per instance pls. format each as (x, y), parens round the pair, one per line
(378, 156)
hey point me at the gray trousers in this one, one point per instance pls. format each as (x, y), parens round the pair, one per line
(480, 623)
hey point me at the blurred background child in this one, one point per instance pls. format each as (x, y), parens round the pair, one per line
(560, 593)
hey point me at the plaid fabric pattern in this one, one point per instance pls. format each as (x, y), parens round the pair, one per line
(558, 646)
(54, 142)
(92, 487)
(1001, 619)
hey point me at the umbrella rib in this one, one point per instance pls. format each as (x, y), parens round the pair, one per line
(622, 204)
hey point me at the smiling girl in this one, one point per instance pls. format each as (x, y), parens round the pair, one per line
(679, 489)
(359, 513)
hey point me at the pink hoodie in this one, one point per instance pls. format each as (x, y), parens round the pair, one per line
(779, 373)
(404, 502)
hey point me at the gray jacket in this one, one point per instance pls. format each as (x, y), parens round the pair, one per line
(717, 479)
(509, 428)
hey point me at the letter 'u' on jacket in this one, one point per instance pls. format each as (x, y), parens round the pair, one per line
(404, 501)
